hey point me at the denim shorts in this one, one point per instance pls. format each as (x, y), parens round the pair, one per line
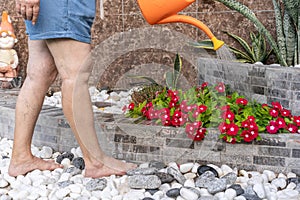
(63, 19)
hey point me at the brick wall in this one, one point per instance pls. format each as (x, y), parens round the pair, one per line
(125, 17)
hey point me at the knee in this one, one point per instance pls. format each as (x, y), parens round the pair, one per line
(42, 76)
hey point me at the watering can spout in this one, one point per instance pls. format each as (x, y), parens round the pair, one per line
(190, 20)
(165, 11)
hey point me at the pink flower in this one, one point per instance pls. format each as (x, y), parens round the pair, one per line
(225, 108)
(152, 114)
(220, 87)
(131, 106)
(297, 120)
(292, 128)
(285, 113)
(175, 121)
(228, 115)
(280, 123)
(232, 129)
(190, 128)
(277, 105)
(223, 127)
(241, 101)
(272, 127)
(274, 112)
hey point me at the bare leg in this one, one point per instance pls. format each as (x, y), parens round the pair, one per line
(41, 72)
(72, 59)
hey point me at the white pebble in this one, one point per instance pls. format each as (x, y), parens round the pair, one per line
(195, 167)
(291, 175)
(188, 194)
(190, 175)
(46, 152)
(219, 195)
(175, 185)
(165, 187)
(75, 188)
(259, 190)
(186, 167)
(3, 183)
(189, 183)
(240, 198)
(230, 193)
(218, 169)
(66, 162)
(62, 192)
(291, 186)
(279, 183)
(271, 175)
(226, 169)
(281, 175)
(174, 165)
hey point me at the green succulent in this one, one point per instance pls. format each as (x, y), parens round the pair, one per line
(254, 52)
(287, 47)
(170, 76)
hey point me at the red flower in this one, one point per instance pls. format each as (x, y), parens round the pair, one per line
(245, 124)
(285, 113)
(274, 112)
(204, 85)
(223, 127)
(272, 127)
(229, 140)
(232, 129)
(177, 113)
(251, 118)
(277, 105)
(200, 134)
(172, 93)
(297, 120)
(253, 126)
(280, 123)
(131, 106)
(241, 101)
(220, 87)
(247, 136)
(264, 105)
(253, 133)
(149, 105)
(175, 99)
(292, 128)
(202, 108)
(166, 122)
(172, 104)
(228, 115)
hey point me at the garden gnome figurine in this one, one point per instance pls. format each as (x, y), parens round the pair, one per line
(8, 56)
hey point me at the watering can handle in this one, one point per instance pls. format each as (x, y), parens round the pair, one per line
(188, 20)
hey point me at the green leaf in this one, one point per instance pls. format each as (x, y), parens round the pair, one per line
(143, 77)
(203, 44)
(169, 79)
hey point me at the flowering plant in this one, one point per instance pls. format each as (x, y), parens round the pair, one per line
(208, 106)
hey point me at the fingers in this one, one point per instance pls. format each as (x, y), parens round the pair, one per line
(35, 10)
(29, 9)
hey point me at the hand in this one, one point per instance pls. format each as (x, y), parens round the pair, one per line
(29, 9)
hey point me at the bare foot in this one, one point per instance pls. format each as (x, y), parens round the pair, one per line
(110, 167)
(22, 168)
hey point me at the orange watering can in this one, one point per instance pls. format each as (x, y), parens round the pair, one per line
(165, 11)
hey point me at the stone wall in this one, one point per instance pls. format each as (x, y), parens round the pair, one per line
(264, 84)
(138, 142)
(125, 17)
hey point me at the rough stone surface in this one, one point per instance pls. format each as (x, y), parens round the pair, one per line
(96, 184)
(142, 171)
(79, 163)
(176, 174)
(144, 181)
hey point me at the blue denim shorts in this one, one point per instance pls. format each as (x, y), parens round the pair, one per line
(63, 19)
